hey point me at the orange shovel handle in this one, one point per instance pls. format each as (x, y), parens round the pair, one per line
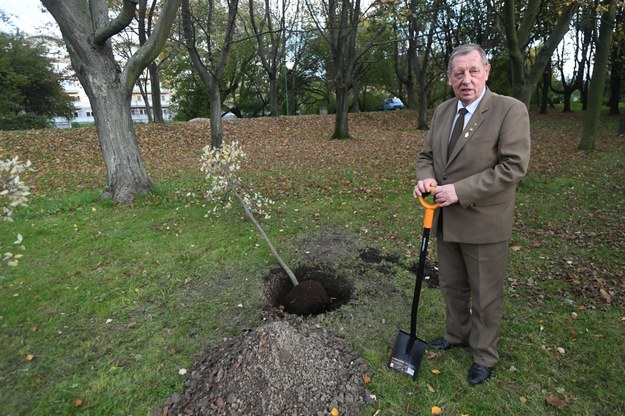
(428, 218)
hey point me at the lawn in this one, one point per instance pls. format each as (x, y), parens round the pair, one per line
(110, 302)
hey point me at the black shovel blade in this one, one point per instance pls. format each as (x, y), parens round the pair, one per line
(407, 354)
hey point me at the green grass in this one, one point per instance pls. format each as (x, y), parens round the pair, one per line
(113, 301)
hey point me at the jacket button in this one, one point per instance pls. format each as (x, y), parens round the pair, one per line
(444, 178)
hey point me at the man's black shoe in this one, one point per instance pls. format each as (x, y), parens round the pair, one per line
(479, 373)
(442, 344)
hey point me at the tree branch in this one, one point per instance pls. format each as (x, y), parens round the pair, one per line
(118, 24)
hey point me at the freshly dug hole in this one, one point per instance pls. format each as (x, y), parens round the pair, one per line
(319, 291)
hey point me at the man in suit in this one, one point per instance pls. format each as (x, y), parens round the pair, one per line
(474, 177)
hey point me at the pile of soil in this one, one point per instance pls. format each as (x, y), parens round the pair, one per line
(285, 367)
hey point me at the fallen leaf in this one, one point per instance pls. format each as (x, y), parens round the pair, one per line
(516, 248)
(78, 402)
(334, 411)
(432, 355)
(606, 295)
(431, 389)
(366, 378)
(436, 410)
(436, 371)
(582, 308)
(523, 399)
(29, 357)
(554, 400)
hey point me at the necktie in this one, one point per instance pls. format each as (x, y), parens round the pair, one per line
(455, 134)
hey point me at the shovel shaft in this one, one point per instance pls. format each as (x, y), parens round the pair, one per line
(419, 281)
(428, 219)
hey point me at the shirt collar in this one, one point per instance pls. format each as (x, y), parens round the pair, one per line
(473, 106)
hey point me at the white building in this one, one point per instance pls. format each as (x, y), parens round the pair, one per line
(83, 112)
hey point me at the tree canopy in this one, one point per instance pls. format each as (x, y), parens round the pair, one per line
(29, 83)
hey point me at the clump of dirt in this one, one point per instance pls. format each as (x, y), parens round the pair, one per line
(280, 368)
(320, 290)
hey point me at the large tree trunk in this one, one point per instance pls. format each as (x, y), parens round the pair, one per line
(110, 102)
(597, 83)
(87, 28)
(127, 176)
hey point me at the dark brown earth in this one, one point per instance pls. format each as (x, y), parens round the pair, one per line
(290, 365)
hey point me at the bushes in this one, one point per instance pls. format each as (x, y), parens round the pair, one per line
(24, 122)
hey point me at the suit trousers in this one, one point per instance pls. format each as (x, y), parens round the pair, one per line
(471, 280)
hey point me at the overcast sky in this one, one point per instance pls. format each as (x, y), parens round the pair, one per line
(28, 17)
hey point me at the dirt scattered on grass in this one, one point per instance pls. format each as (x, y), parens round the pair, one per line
(291, 365)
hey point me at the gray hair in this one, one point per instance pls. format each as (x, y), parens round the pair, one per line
(464, 49)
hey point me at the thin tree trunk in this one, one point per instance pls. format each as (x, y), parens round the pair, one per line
(341, 124)
(262, 232)
(155, 91)
(217, 126)
(597, 83)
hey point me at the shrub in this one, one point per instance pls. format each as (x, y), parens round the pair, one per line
(24, 122)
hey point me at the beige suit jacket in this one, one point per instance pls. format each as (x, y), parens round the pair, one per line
(490, 158)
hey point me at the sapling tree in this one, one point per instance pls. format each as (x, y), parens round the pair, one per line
(221, 166)
(13, 194)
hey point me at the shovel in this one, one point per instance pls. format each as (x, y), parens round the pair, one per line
(408, 349)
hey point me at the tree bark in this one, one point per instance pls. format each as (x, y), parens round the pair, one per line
(518, 39)
(126, 173)
(341, 123)
(615, 82)
(155, 92)
(597, 82)
(86, 28)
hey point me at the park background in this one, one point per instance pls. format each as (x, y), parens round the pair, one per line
(174, 282)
